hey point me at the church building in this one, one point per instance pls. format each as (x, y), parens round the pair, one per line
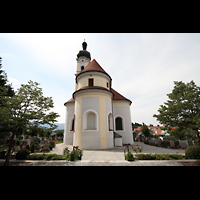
(97, 116)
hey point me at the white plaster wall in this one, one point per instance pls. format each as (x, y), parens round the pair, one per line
(126, 133)
(68, 135)
(99, 80)
(118, 142)
(110, 142)
(90, 139)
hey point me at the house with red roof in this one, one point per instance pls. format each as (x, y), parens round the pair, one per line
(155, 130)
(97, 116)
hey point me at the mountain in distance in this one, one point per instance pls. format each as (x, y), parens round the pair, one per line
(61, 126)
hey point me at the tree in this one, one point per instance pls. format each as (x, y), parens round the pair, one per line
(27, 107)
(5, 90)
(4, 82)
(145, 130)
(182, 110)
(59, 133)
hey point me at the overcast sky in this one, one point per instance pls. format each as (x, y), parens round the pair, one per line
(142, 66)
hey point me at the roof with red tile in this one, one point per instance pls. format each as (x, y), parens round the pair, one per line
(154, 129)
(72, 100)
(93, 66)
(92, 87)
(118, 96)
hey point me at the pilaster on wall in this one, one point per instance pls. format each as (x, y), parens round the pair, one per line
(103, 122)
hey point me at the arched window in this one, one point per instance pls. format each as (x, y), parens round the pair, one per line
(82, 68)
(91, 121)
(118, 123)
(110, 122)
(72, 124)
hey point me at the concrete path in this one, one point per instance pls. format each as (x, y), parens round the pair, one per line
(116, 153)
(108, 157)
(159, 150)
(103, 155)
(59, 148)
(105, 163)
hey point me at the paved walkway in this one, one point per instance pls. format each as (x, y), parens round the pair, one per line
(116, 153)
(59, 148)
(109, 157)
(105, 163)
(153, 149)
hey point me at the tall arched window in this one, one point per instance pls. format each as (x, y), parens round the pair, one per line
(118, 123)
(91, 121)
(110, 122)
(72, 124)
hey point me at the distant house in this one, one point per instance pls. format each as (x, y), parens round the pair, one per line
(53, 133)
(155, 130)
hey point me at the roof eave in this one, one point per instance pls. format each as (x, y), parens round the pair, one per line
(123, 100)
(77, 75)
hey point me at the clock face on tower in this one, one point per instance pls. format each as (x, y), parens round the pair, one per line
(82, 60)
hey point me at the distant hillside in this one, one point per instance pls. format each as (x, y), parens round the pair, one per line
(135, 125)
(61, 126)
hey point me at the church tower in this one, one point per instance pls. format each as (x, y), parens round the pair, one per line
(97, 117)
(83, 58)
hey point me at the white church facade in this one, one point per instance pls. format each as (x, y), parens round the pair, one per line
(97, 116)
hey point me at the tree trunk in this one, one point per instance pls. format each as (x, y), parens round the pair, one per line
(197, 133)
(9, 150)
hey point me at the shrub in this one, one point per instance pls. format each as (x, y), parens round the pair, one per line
(32, 148)
(192, 152)
(146, 141)
(65, 151)
(129, 156)
(160, 157)
(177, 157)
(59, 157)
(53, 144)
(145, 157)
(50, 147)
(27, 147)
(46, 157)
(22, 154)
(35, 157)
(18, 142)
(165, 143)
(49, 156)
(75, 155)
(137, 149)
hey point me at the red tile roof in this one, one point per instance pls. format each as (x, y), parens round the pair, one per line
(93, 66)
(154, 129)
(91, 87)
(118, 96)
(72, 100)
